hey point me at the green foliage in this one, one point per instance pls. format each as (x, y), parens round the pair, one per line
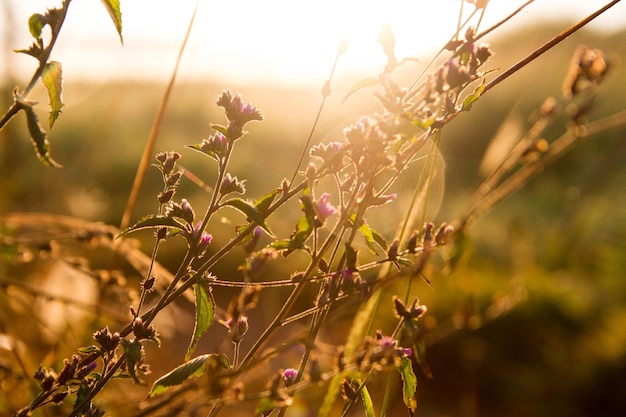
(409, 384)
(205, 312)
(113, 8)
(53, 80)
(190, 369)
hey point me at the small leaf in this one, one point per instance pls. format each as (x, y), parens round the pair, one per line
(253, 213)
(263, 203)
(205, 312)
(219, 128)
(470, 99)
(85, 350)
(409, 383)
(265, 406)
(34, 50)
(39, 138)
(133, 352)
(177, 376)
(367, 402)
(152, 220)
(113, 7)
(366, 82)
(52, 78)
(372, 238)
(36, 23)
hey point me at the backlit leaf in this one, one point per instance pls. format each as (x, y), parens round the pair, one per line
(194, 367)
(253, 213)
(409, 383)
(36, 23)
(150, 221)
(39, 138)
(133, 352)
(52, 78)
(113, 7)
(470, 99)
(367, 402)
(366, 82)
(205, 312)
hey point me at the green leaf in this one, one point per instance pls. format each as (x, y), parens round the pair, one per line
(150, 221)
(263, 203)
(367, 402)
(85, 350)
(205, 312)
(366, 82)
(372, 238)
(52, 78)
(331, 394)
(253, 213)
(133, 353)
(36, 23)
(194, 367)
(470, 99)
(265, 406)
(39, 138)
(409, 383)
(219, 128)
(113, 7)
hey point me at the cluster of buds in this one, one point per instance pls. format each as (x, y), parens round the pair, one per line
(232, 184)
(587, 69)
(379, 352)
(216, 146)
(331, 154)
(143, 331)
(367, 144)
(238, 114)
(339, 283)
(171, 176)
(107, 340)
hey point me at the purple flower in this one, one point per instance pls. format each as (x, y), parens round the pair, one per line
(324, 208)
(289, 376)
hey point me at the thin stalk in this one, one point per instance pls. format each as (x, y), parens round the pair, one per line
(144, 163)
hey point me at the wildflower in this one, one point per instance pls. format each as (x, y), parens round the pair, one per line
(232, 184)
(324, 208)
(289, 376)
(238, 113)
(237, 328)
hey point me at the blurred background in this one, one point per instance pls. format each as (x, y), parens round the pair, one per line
(533, 323)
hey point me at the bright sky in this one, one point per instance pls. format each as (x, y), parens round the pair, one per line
(275, 40)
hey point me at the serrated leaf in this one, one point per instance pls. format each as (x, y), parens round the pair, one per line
(36, 23)
(150, 221)
(34, 50)
(253, 213)
(113, 7)
(409, 383)
(133, 352)
(470, 99)
(366, 82)
(194, 367)
(205, 312)
(39, 138)
(368, 404)
(52, 78)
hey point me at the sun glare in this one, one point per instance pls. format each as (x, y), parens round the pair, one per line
(272, 41)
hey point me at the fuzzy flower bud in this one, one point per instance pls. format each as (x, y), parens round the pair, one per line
(289, 376)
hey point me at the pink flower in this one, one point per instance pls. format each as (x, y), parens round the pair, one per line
(324, 208)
